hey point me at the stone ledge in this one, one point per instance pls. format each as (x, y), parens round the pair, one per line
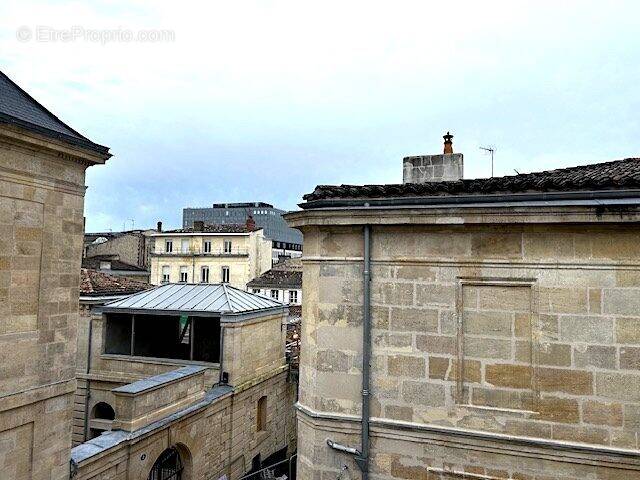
(466, 439)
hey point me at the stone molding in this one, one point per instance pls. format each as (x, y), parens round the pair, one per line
(467, 439)
(37, 394)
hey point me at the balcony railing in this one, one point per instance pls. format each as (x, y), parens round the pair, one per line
(215, 252)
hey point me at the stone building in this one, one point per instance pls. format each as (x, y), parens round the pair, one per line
(499, 319)
(186, 379)
(226, 253)
(132, 247)
(283, 282)
(42, 169)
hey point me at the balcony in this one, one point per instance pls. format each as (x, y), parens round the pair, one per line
(220, 252)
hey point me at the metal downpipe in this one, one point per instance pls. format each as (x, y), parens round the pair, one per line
(87, 395)
(366, 354)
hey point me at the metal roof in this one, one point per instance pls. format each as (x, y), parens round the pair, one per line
(202, 299)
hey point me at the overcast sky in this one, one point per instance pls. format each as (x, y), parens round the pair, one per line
(263, 100)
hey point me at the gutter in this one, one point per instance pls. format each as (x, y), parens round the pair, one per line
(361, 456)
(457, 200)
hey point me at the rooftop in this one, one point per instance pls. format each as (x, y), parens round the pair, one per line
(284, 274)
(617, 175)
(219, 228)
(94, 284)
(198, 299)
(19, 108)
(95, 261)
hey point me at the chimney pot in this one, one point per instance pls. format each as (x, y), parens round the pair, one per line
(159, 226)
(251, 223)
(448, 143)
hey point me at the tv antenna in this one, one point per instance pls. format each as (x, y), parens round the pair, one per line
(490, 149)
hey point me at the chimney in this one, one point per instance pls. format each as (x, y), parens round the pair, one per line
(445, 167)
(159, 226)
(198, 226)
(251, 223)
(448, 144)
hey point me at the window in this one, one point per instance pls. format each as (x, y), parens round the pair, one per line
(206, 246)
(184, 275)
(166, 273)
(293, 296)
(227, 246)
(274, 294)
(184, 246)
(204, 275)
(168, 246)
(261, 423)
(256, 291)
(225, 274)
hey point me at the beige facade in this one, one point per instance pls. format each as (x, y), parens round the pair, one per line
(244, 255)
(505, 342)
(155, 406)
(41, 219)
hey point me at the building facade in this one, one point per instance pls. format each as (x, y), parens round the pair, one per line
(133, 247)
(232, 254)
(42, 171)
(265, 215)
(283, 282)
(175, 383)
(498, 318)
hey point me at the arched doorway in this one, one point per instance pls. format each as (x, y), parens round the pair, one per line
(168, 466)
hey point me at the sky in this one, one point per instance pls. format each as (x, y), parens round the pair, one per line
(204, 102)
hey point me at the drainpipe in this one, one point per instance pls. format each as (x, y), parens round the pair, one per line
(87, 394)
(361, 456)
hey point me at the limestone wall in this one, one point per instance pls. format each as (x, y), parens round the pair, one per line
(253, 348)
(41, 221)
(220, 438)
(517, 330)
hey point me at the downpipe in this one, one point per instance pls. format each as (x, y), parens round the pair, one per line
(361, 456)
(87, 395)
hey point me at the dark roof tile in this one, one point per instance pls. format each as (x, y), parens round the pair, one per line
(616, 175)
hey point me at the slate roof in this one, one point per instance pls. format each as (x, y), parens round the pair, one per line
(19, 108)
(94, 263)
(616, 175)
(217, 228)
(97, 284)
(277, 279)
(191, 298)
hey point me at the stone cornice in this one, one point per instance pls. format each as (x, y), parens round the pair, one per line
(495, 213)
(467, 439)
(59, 149)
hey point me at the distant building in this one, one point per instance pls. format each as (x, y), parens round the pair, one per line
(184, 382)
(283, 282)
(112, 265)
(43, 163)
(286, 240)
(133, 246)
(230, 253)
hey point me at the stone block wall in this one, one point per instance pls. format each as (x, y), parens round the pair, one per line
(41, 221)
(253, 347)
(218, 439)
(433, 168)
(518, 331)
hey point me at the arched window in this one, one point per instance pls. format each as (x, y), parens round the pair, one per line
(103, 411)
(168, 466)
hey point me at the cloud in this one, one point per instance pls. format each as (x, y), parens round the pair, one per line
(259, 100)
